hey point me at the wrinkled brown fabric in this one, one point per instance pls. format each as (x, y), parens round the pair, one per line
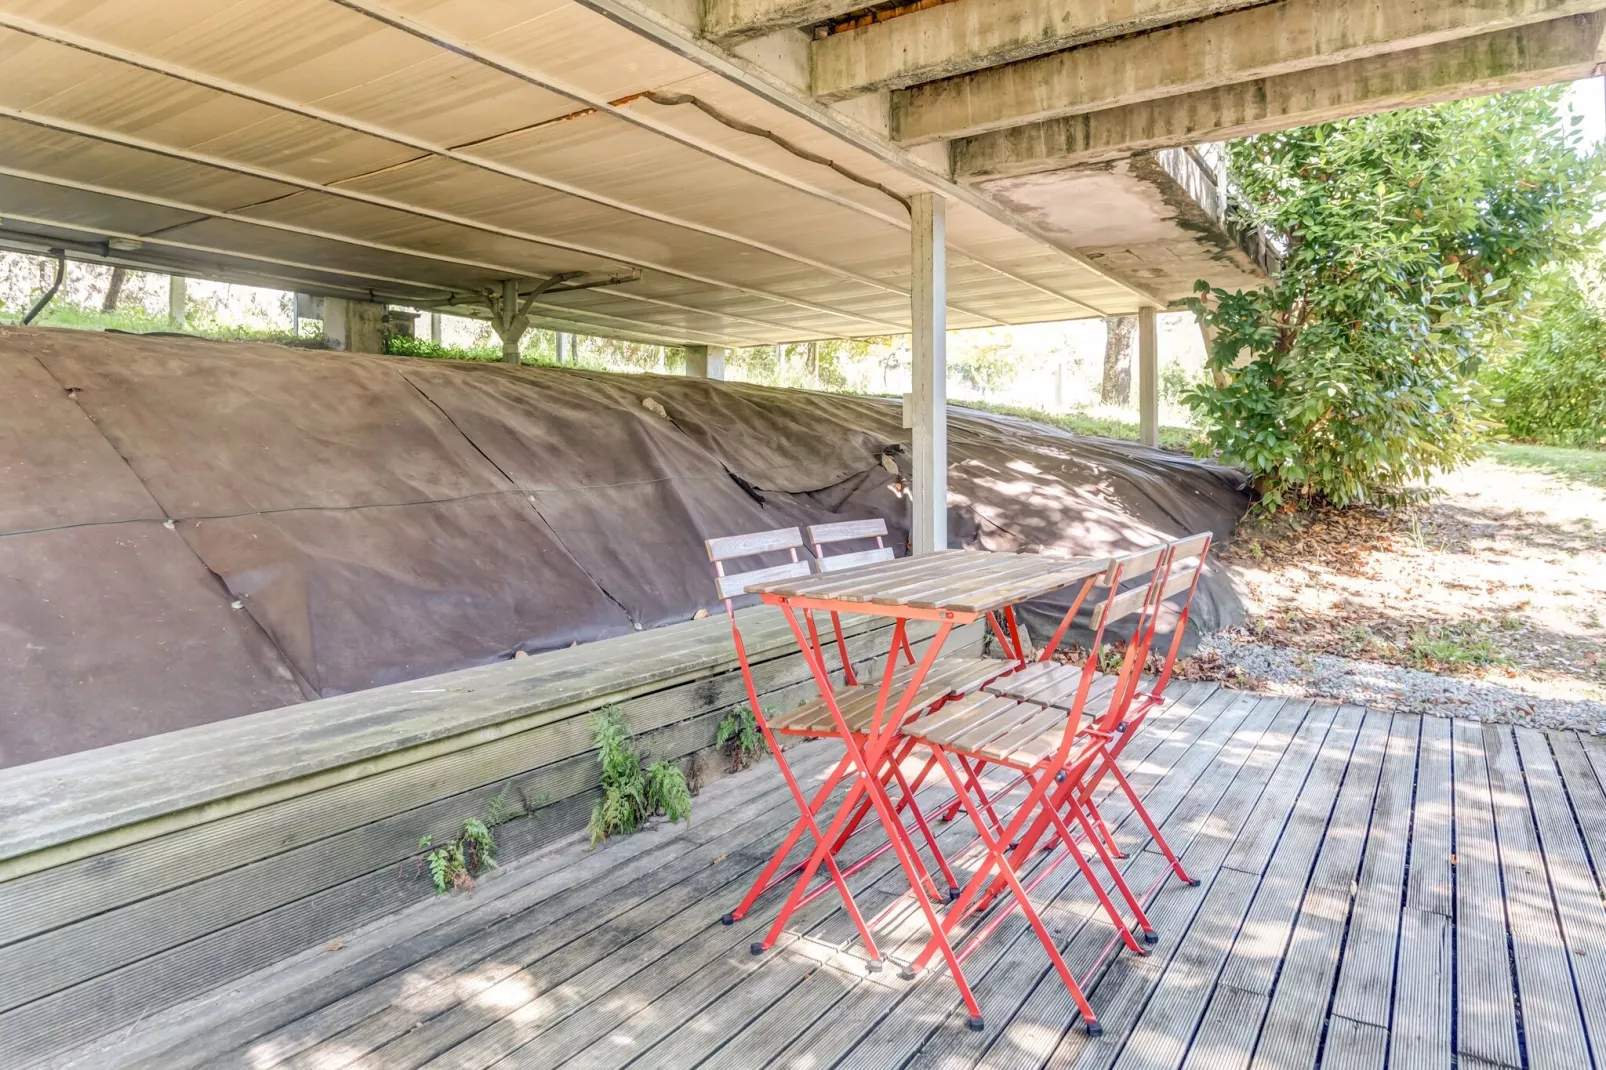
(381, 519)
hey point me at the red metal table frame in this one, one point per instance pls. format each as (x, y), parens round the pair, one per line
(950, 589)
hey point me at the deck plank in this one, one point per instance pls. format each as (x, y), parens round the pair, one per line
(1194, 826)
(1366, 977)
(1574, 884)
(1486, 1021)
(1293, 1031)
(1013, 944)
(1550, 1013)
(1353, 864)
(1125, 991)
(1251, 966)
(1046, 1024)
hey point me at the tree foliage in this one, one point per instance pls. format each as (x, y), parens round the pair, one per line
(1412, 242)
(1552, 388)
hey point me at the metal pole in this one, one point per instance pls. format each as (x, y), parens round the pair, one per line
(928, 304)
(1148, 377)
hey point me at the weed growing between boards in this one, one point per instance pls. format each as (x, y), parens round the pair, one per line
(739, 738)
(454, 866)
(632, 788)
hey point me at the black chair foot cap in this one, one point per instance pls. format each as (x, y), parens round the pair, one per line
(1151, 937)
(1094, 1029)
(728, 919)
(977, 1024)
(1194, 883)
(953, 893)
(1015, 845)
(757, 949)
(907, 974)
(873, 966)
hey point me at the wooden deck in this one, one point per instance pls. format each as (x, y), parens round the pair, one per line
(1378, 891)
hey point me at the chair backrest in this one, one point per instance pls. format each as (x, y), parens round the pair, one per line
(737, 547)
(1184, 566)
(822, 535)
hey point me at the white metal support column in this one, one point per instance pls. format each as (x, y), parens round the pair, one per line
(1148, 377)
(928, 307)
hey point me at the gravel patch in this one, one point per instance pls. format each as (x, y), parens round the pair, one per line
(1283, 671)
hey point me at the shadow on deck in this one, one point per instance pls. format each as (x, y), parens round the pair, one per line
(1378, 890)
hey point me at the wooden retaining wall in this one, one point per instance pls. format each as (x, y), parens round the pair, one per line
(140, 875)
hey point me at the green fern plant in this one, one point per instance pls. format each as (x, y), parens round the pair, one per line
(458, 863)
(667, 791)
(630, 795)
(740, 739)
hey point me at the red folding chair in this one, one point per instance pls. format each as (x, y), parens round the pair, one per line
(1053, 725)
(856, 703)
(1176, 568)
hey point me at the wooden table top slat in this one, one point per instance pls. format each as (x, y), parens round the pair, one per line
(957, 581)
(1017, 587)
(863, 584)
(888, 569)
(935, 587)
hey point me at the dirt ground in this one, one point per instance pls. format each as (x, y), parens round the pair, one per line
(1490, 600)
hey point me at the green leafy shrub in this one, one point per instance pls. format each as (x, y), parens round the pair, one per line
(1175, 381)
(1552, 388)
(1411, 242)
(740, 739)
(401, 345)
(630, 795)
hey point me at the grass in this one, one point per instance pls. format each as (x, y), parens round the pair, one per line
(138, 321)
(1581, 466)
(1082, 423)
(1450, 646)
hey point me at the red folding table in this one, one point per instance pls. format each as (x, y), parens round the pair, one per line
(950, 590)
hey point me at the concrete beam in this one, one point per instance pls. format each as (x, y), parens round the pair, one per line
(1563, 50)
(928, 345)
(1261, 42)
(968, 35)
(729, 21)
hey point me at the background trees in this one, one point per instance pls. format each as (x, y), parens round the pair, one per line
(1416, 244)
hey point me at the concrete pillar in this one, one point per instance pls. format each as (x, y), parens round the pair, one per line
(506, 321)
(564, 342)
(435, 327)
(928, 308)
(1148, 377)
(178, 301)
(354, 326)
(705, 362)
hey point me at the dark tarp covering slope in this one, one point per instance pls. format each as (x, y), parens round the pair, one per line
(191, 530)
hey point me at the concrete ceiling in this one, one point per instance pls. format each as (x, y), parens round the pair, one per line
(729, 173)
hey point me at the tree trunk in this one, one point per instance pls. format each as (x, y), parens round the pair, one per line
(114, 290)
(1116, 387)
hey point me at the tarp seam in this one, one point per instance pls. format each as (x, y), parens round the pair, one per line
(302, 684)
(528, 498)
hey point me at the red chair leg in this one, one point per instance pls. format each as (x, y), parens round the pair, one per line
(1148, 823)
(996, 858)
(767, 878)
